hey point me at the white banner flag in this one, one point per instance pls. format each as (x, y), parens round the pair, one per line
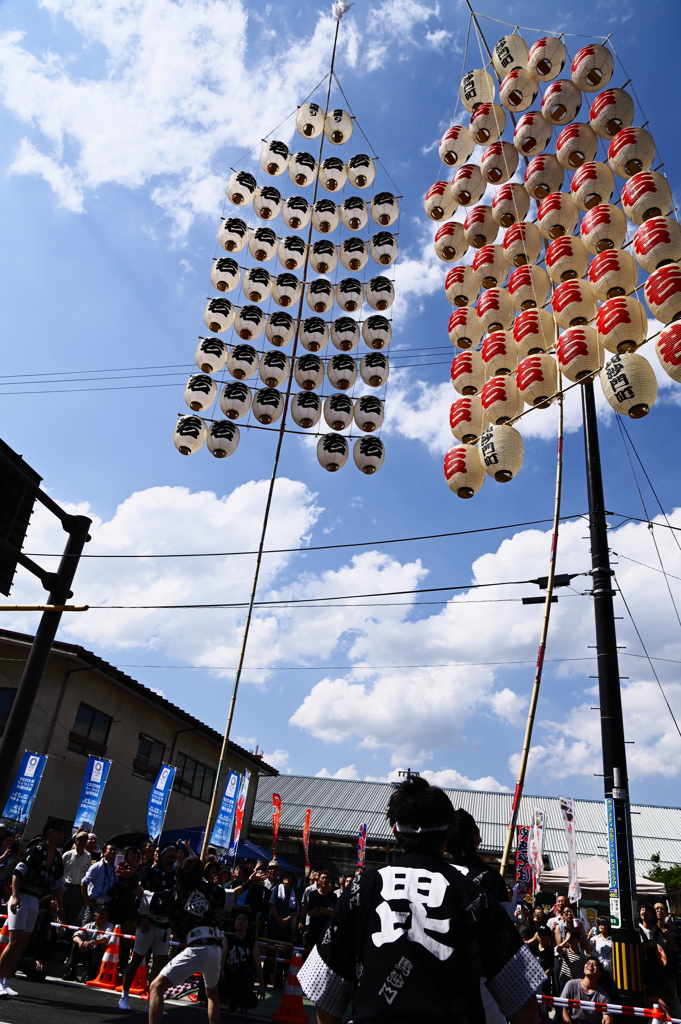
(567, 809)
(534, 847)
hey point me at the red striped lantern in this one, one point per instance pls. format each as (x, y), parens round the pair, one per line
(522, 244)
(439, 203)
(468, 185)
(465, 419)
(464, 328)
(629, 384)
(532, 134)
(612, 273)
(592, 67)
(450, 242)
(543, 175)
(610, 112)
(557, 215)
(461, 287)
(490, 266)
(495, 310)
(546, 58)
(511, 203)
(534, 332)
(466, 373)
(529, 287)
(499, 163)
(499, 354)
(566, 259)
(561, 103)
(646, 195)
(592, 184)
(500, 400)
(668, 348)
(479, 227)
(604, 227)
(537, 379)
(663, 293)
(631, 151)
(487, 123)
(457, 145)
(573, 303)
(464, 472)
(518, 90)
(576, 145)
(501, 452)
(657, 242)
(578, 353)
(621, 324)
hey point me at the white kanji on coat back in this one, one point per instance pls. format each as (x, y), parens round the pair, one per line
(422, 889)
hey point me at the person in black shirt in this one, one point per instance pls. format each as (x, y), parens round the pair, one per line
(462, 847)
(320, 904)
(242, 967)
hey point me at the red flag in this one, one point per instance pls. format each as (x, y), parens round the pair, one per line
(306, 839)
(361, 845)
(276, 817)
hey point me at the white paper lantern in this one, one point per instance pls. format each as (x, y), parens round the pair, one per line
(200, 392)
(274, 368)
(262, 244)
(189, 434)
(467, 374)
(280, 328)
(603, 227)
(501, 452)
(557, 215)
(368, 454)
(241, 188)
(267, 202)
(511, 203)
(621, 324)
(320, 294)
(242, 361)
(345, 333)
(592, 67)
(543, 175)
(629, 384)
(235, 399)
(534, 332)
(487, 123)
(566, 258)
(306, 409)
(464, 328)
(257, 284)
(657, 242)
(439, 203)
(529, 287)
(361, 171)
(457, 145)
(314, 333)
(368, 413)
(532, 134)
(450, 242)
(274, 157)
(342, 371)
(268, 405)
(479, 227)
(464, 473)
(490, 266)
(309, 372)
(223, 438)
(578, 353)
(374, 369)
(332, 174)
(537, 379)
(522, 244)
(468, 185)
(383, 248)
(476, 87)
(385, 209)
(613, 273)
(377, 331)
(610, 112)
(249, 322)
(500, 400)
(498, 353)
(296, 213)
(354, 254)
(233, 234)
(291, 252)
(576, 145)
(495, 310)
(592, 184)
(509, 52)
(561, 103)
(302, 169)
(573, 303)
(646, 195)
(338, 126)
(631, 152)
(211, 355)
(668, 348)
(354, 213)
(499, 163)
(465, 419)
(546, 58)
(310, 120)
(323, 256)
(226, 274)
(325, 216)
(461, 286)
(663, 293)
(338, 411)
(332, 452)
(518, 90)
(219, 315)
(350, 294)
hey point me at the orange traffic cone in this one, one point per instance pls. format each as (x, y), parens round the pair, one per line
(4, 936)
(291, 1009)
(140, 983)
(108, 970)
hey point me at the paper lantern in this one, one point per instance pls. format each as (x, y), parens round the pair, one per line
(499, 163)
(498, 353)
(668, 348)
(268, 405)
(302, 168)
(537, 379)
(310, 120)
(631, 151)
(385, 209)
(332, 174)
(500, 400)
(439, 203)
(280, 328)
(576, 145)
(345, 333)
(374, 369)
(377, 331)
(592, 67)
(306, 409)
(578, 353)
(522, 244)
(354, 213)
(657, 242)
(663, 293)
(518, 90)
(274, 368)
(532, 134)
(361, 171)
(235, 399)
(557, 215)
(338, 127)
(621, 324)
(189, 434)
(325, 216)
(468, 185)
(323, 256)
(646, 195)
(612, 273)
(465, 419)
(490, 266)
(267, 202)
(501, 452)
(464, 473)
(457, 145)
(467, 374)
(510, 52)
(529, 287)
(573, 303)
(314, 333)
(543, 175)
(368, 454)
(610, 112)
(257, 284)
(286, 289)
(309, 372)
(450, 242)
(242, 361)
(495, 310)
(338, 411)
(241, 188)
(226, 274)
(320, 295)
(296, 213)
(233, 234)
(219, 315)
(566, 258)
(291, 252)
(461, 287)
(249, 322)
(262, 244)
(603, 227)
(592, 184)
(476, 87)
(223, 438)
(479, 227)
(629, 384)
(211, 355)
(534, 331)
(561, 103)
(380, 293)
(274, 157)
(332, 452)
(546, 58)
(488, 123)
(383, 248)
(511, 203)
(368, 413)
(200, 392)
(464, 328)
(341, 371)
(354, 254)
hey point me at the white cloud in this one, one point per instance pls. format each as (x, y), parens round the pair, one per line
(446, 778)
(348, 772)
(279, 759)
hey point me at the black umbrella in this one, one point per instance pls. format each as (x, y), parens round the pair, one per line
(123, 839)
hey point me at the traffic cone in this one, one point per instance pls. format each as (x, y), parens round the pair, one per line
(108, 969)
(291, 1009)
(140, 983)
(4, 936)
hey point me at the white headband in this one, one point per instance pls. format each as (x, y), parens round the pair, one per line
(425, 828)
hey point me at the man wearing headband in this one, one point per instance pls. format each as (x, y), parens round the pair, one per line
(410, 941)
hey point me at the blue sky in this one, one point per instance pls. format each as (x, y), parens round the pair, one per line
(119, 123)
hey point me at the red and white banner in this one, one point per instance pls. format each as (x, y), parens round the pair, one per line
(306, 839)
(534, 847)
(523, 871)
(361, 845)
(567, 809)
(276, 818)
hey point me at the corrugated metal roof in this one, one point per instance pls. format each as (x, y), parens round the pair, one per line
(340, 806)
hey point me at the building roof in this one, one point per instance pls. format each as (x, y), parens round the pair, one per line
(98, 664)
(339, 807)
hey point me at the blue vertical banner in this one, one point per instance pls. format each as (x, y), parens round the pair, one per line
(22, 795)
(225, 820)
(158, 800)
(96, 774)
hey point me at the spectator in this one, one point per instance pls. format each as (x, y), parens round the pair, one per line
(567, 922)
(653, 954)
(545, 954)
(10, 854)
(89, 946)
(321, 902)
(572, 959)
(586, 989)
(98, 882)
(123, 899)
(242, 967)
(77, 860)
(273, 873)
(557, 912)
(304, 919)
(92, 847)
(283, 912)
(665, 922)
(601, 944)
(463, 846)
(147, 855)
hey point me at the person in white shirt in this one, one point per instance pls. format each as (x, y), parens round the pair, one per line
(77, 860)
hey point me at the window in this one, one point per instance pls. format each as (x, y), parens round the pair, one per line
(6, 701)
(90, 731)
(193, 778)
(149, 757)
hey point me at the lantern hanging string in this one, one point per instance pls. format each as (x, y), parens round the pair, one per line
(539, 31)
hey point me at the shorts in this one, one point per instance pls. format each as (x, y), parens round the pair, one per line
(205, 960)
(156, 940)
(25, 918)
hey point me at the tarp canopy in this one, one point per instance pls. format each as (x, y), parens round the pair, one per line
(245, 850)
(593, 876)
